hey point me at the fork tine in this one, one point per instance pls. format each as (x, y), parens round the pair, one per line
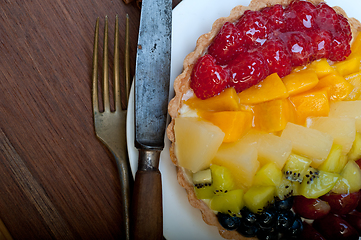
(116, 67)
(95, 68)
(126, 61)
(105, 69)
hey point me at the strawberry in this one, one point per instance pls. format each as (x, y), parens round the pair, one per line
(277, 57)
(227, 44)
(321, 42)
(326, 18)
(247, 70)
(208, 79)
(340, 48)
(299, 46)
(300, 16)
(253, 26)
(275, 16)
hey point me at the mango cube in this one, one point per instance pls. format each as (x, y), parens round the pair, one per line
(338, 87)
(272, 116)
(298, 82)
(233, 123)
(355, 80)
(313, 103)
(356, 45)
(270, 88)
(226, 101)
(349, 66)
(321, 67)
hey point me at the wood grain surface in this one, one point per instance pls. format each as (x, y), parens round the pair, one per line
(57, 181)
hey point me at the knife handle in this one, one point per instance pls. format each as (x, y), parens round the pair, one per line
(147, 211)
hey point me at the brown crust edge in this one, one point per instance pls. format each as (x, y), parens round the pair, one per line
(181, 86)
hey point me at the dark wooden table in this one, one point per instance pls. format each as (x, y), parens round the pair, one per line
(57, 181)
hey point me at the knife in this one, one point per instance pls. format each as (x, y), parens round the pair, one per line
(151, 93)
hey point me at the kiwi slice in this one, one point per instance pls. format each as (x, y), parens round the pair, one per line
(222, 179)
(202, 181)
(230, 202)
(286, 189)
(317, 183)
(296, 167)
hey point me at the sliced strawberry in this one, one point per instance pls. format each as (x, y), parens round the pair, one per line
(300, 47)
(227, 44)
(253, 26)
(247, 70)
(275, 16)
(277, 57)
(300, 16)
(208, 79)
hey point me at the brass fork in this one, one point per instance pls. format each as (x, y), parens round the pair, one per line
(110, 126)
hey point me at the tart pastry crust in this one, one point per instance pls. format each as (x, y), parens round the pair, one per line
(182, 86)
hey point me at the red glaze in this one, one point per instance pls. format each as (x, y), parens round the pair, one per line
(333, 227)
(310, 208)
(342, 203)
(208, 79)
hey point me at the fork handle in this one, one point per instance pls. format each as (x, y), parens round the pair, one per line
(147, 213)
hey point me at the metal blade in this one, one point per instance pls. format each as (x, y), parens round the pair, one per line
(152, 74)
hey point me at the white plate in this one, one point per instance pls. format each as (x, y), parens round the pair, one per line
(191, 19)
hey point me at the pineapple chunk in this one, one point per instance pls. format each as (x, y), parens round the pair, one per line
(241, 159)
(308, 142)
(258, 197)
(350, 180)
(197, 142)
(335, 161)
(268, 175)
(349, 109)
(271, 148)
(355, 152)
(343, 130)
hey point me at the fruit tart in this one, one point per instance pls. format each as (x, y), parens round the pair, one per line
(266, 122)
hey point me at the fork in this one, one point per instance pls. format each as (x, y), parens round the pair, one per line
(110, 126)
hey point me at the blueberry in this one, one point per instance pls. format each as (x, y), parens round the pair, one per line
(248, 218)
(285, 220)
(267, 234)
(296, 228)
(228, 222)
(268, 218)
(248, 231)
(285, 204)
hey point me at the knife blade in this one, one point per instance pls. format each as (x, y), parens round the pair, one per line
(150, 115)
